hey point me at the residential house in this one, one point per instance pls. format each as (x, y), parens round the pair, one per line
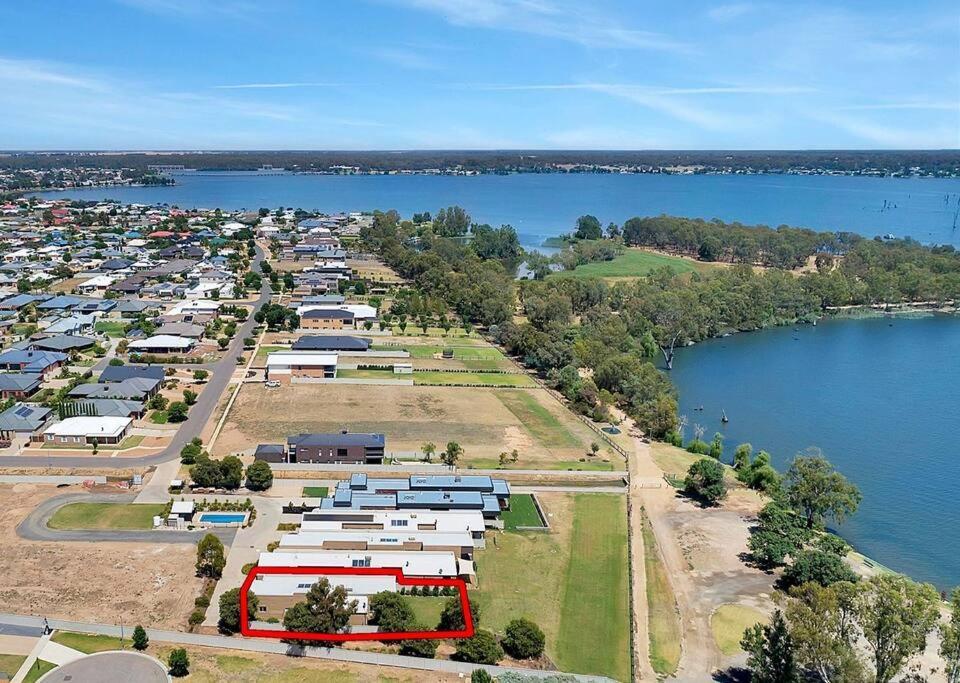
(23, 420)
(301, 366)
(88, 430)
(19, 385)
(30, 361)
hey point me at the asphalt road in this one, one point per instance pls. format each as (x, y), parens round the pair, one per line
(34, 526)
(221, 371)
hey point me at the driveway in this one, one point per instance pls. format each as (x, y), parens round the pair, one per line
(222, 370)
(34, 527)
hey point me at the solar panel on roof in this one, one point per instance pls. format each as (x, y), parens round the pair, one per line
(23, 412)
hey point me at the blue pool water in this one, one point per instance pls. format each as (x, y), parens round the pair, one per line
(223, 517)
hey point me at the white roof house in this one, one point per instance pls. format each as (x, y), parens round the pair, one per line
(162, 341)
(470, 521)
(195, 306)
(360, 311)
(89, 427)
(182, 507)
(411, 563)
(285, 362)
(388, 539)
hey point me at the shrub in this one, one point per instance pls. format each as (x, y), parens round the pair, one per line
(202, 601)
(483, 648)
(698, 447)
(196, 617)
(177, 412)
(179, 662)
(480, 676)
(523, 639)
(140, 639)
(419, 647)
(451, 618)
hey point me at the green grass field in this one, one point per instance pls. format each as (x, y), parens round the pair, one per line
(576, 590)
(634, 263)
(10, 664)
(105, 516)
(88, 642)
(315, 491)
(112, 328)
(265, 349)
(442, 378)
(594, 617)
(427, 609)
(459, 352)
(522, 512)
(662, 621)
(542, 424)
(729, 622)
(39, 668)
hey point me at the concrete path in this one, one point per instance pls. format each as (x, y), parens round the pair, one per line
(246, 548)
(58, 654)
(276, 647)
(155, 490)
(31, 658)
(34, 527)
(221, 373)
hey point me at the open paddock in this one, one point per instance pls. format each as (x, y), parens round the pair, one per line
(485, 421)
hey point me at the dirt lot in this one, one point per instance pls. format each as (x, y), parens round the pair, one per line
(479, 419)
(137, 582)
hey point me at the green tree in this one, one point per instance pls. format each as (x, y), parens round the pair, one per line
(480, 676)
(895, 616)
(482, 648)
(177, 412)
(326, 609)
(425, 648)
(705, 481)
(189, 454)
(741, 458)
(391, 612)
(206, 473)
(428, 450)
(140, 639)
(259, 476)
(231, 472)
(210, 557)
(229, 621)
(451, 617)
(818, 491)
(769, 649)
(779, 533)
(588, 228)
(950, 640)
(818, 567)
(716, 446)
(823, 627)
(451, 455)
(179, 662)
(523, 639)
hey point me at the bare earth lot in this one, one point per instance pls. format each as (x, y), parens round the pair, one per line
(484, 421)
(137, 582)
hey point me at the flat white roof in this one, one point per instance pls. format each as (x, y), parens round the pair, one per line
(182, 507)
(411, 563)
(90, 426)
(470, 521)
(388, 537)
(298, 584)
(162, 341)
(283, 358)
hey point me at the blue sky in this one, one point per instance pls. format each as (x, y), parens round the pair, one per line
(479, 74)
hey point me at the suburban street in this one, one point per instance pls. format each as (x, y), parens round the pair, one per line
(221, 372)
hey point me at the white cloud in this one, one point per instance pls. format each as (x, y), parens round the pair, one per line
(407, 59)
(565, 20)
(38, 72)
(731, 11)
(267, 86)
(914, 137)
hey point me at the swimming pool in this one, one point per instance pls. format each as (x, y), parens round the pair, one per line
(223, 517)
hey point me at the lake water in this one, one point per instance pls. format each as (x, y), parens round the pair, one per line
(545, 205)
(878, 396)
(881, 401)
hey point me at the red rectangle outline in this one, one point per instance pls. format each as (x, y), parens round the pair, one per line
(459, 584)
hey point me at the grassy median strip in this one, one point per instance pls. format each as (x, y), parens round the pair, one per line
(105, 516)
(594, 620)
(39, 668)
(89, 643)
(663, 622)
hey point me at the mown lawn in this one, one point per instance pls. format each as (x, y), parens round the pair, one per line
(89, 642)
(594, 617)
(522, 512)
(459, 352)
(265, 349)
(427, 609)
(635, 263)
(315, 491)
(105, 516)
(572, 582)
(39, 668)
(662, 620)
(112, 328)
(442, 378)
